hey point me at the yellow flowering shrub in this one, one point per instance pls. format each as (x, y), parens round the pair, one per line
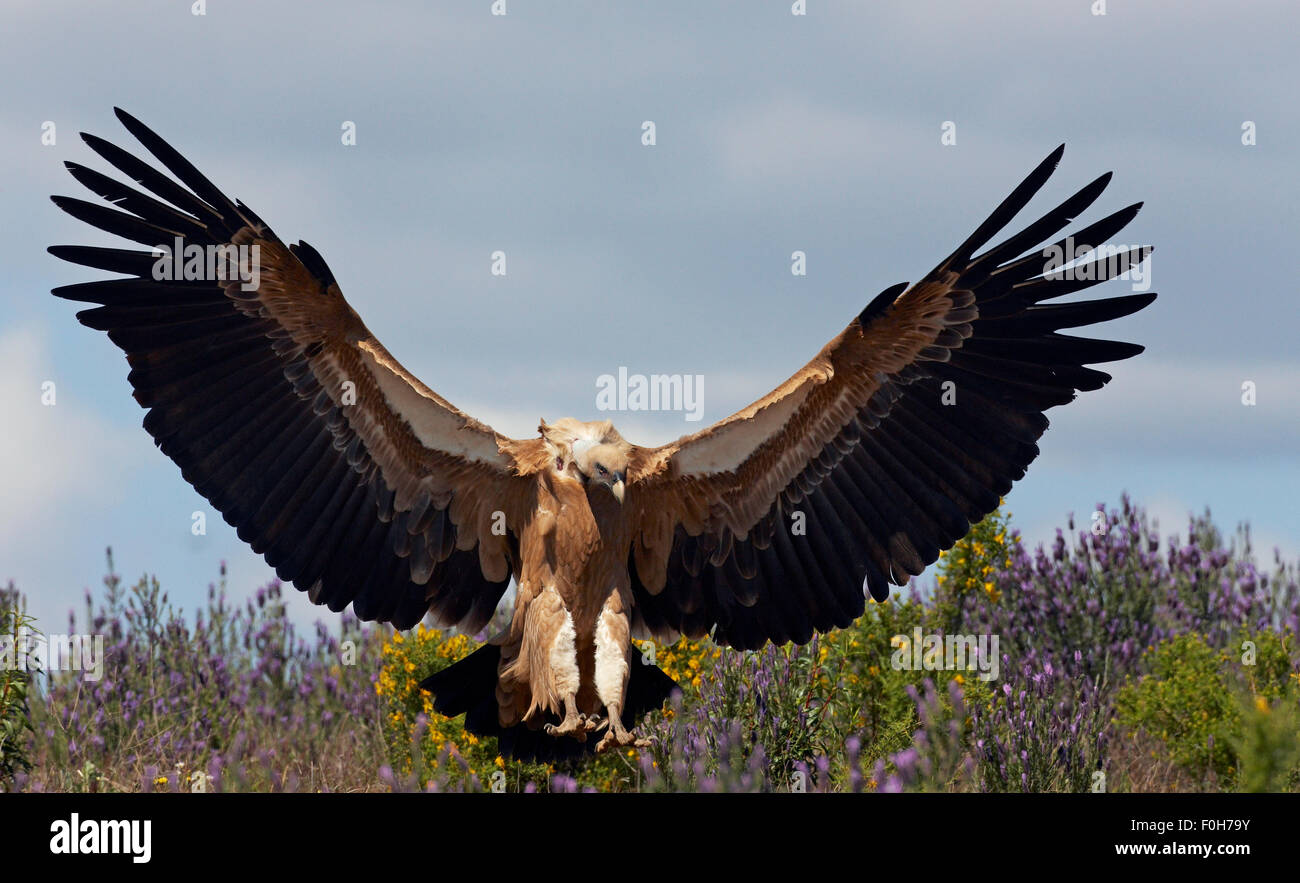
(970, 565)
(685, 661)
(440, 749)
(446, 751)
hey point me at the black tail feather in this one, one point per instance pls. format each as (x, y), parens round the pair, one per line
(469, 687)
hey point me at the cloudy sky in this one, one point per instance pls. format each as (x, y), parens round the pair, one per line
(774, 133)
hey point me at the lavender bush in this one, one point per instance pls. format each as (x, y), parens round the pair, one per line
(1125, 661)
(235, 699)
(1102, 618)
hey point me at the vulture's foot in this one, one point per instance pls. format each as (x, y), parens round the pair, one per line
(574, 724)
(617, 735)
(619, 739)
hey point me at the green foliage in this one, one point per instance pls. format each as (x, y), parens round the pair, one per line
(1267, 744)
(15, 686)
(879, 700)
(1212, 709)
(971, 568)
(875, 699)
(1183, 703)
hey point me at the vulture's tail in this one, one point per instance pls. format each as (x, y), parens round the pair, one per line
(469, 687)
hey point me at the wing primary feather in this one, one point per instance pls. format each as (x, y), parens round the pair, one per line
(1008, 208)
(178, 165)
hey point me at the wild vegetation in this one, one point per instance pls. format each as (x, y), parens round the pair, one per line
(1124, 661)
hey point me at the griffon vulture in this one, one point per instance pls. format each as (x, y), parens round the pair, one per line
(361, 485)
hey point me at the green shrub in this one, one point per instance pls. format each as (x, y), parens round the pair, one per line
(15, 684)
(1268, 746)
(1227, 714)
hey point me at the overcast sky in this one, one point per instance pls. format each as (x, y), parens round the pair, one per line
(774, 133)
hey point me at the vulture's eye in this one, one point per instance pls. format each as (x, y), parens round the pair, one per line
(602, 470)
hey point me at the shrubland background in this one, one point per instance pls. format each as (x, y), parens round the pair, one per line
(1127, 662)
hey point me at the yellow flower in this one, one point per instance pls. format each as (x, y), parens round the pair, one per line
(959, 679)
(500, 762)
(161, 780)
(1261, 704)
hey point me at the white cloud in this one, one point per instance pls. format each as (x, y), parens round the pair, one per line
(45, 447)
(64, 466)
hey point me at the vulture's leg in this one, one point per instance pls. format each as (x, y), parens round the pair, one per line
(613, 646)
(561, 665)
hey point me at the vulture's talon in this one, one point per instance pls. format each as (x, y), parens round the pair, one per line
(571, 726)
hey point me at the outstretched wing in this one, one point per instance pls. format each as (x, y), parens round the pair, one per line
(357, 482)
(881, 451)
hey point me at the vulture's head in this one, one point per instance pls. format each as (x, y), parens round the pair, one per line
(594, 453)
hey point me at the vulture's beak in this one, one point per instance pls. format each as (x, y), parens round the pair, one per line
(617, 487)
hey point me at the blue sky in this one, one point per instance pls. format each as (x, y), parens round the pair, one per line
(775, 133)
